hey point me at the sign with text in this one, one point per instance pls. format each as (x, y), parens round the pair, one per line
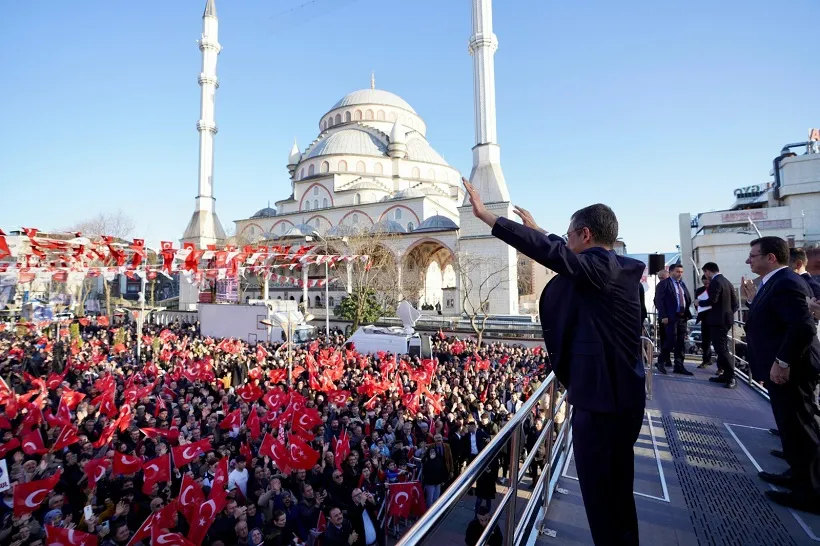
(5, 484)
(744, 215)
(227, 291)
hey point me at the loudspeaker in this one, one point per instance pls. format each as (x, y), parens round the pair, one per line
(656, 263)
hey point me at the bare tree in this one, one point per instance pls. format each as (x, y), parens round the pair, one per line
(479, 277)
(377, 275)
(525, 276)
(118, 225)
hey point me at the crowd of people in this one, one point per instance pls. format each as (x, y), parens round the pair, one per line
(207, 441)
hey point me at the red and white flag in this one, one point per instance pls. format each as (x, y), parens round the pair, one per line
(232, 420)
(302, 456)
(29, 496)
(57, 536)
(253, 424)
(190, 497)
(68, 435)
(401, 500)
(33, 443)
(187, 453)
(95, 470)
(156, 471)
(126, 464)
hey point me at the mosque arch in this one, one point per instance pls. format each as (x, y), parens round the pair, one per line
(348, 117)
(311, 169)
(357, 115)
(342, 166)
(325, 167)
(380, 115)
(338, 119)
(368, 115)
(361, 167)
(378, 168)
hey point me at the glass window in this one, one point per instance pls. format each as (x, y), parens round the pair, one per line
(380, 115)
(368, 114)
(355, 218)
(360, 167)
(310, 170)
(410, 226)
(358, 199)
(325, 167)
(315, 190)
(357, 115)
(324, 203)
(347, 116)
(379, 169)
(315, 203)
(342, 166)
(398, 214)
(338, 119)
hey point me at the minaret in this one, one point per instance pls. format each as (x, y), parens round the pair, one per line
(486, 175)
(204, 227)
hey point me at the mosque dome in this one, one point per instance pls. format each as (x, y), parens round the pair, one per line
(300, 230)
(373, 96)
(266, 212)
(350, 141)
(387, 226)
(436, 223)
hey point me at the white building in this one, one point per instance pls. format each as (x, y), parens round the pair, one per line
(788, 207)
(371, 167)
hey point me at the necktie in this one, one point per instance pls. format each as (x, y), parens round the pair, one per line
(681, 301)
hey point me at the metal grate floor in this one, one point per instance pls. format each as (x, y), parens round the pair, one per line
(724, 503)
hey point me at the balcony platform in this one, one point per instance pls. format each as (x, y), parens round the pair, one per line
(696, 465)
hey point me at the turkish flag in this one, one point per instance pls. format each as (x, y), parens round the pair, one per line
(418, 506)
(95, 470)
(341, 450)
(106, 436)
(155, 471)
(9, 446)
(275, 399)
(338, 397)
(69, 537)
(190, 497)
(167, 538)
(277, 375)
(302, 456)
(68, 435)
(172, 434)
(102, 321)
(124, 418)
(233, 420)
(400, 499)
(219, 487)
(71, 398)
(33, 443)
(249, 393)
(54, 380)
(126, 464)
(63, 416)
(261, 353)
(253, 424)
(204, 516)
(187, 453)
(29, 496)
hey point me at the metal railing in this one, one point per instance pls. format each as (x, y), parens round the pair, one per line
(555, 437)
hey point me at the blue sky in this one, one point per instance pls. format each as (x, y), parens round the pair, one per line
(654, 108)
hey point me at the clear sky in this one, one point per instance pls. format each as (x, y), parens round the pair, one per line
(655, 108)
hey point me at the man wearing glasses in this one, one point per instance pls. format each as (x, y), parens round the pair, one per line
(591, 317)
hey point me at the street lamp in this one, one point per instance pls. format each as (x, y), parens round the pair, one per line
(309, 238)
(287, 320)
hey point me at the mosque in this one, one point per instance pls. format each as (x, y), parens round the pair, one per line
(372, 170)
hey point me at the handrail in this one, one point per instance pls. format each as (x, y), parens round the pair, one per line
(511, 432)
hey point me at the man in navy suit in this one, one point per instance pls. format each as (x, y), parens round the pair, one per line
(591, 318)
(719, 321)
(784, 351)
(797, 262)
(673, 302)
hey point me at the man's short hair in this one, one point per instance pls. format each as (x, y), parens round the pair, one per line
(773, 245)
(601, 222)
(798, 254)
(675, 266)
(711, 267)
(482, 511)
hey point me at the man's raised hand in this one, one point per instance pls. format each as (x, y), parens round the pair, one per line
(527, 219)
(479, 210)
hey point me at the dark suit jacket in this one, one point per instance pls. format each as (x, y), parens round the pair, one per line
(355, 515)
(723, 299)
(814, 284)
(591, 318)
(666, 300)
(781, 326)
(481, 440)
(337, 537)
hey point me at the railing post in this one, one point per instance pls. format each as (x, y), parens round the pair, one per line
(550, 442)
(515, 455)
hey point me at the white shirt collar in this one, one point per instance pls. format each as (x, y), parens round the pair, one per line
(770, 273)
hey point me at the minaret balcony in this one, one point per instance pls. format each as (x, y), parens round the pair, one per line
(203, 125)
(483, 40)
(208, 78)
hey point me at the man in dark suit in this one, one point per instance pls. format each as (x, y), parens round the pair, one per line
(339, 530)
(703, 312)
(797, 262)
(364, 519)
(724, 303)
(591, 318)
(784, 351)
(672, 302)
(473, 442)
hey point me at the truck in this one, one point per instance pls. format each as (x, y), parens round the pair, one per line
(394, 339)
(252, 322)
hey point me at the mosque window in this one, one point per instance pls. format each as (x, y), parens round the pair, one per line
(331, 301)
(315, 190)
(358, 115)
(398, 214)
(311, 170)
(307, 205)
(380, 115)
(316, 223)
(431, 174)
(391, 116)
(315, 203)
(355, 218)
(379, 169)
(330, 122)
(338, 119)
(251, 230)
(282, 227)
(368, 114)
(360, 167)
(358, 199)
(324, 203)
(325, 167)
(410, 226)
(347, 116)
(302, 173)
(416, 173)
(342, 166)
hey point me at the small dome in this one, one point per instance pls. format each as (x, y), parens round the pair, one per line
(342, 230)
(436, 223)
(266, 212)
(300, 230)
(408, 193)
(373, 96)
(387, 226)
(350, 141)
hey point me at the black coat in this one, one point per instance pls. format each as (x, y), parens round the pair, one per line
(723, 299)
(780, 326)
(481, 439)
(666, 299)
(591, 318)
(474, 530)
(813, 283)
